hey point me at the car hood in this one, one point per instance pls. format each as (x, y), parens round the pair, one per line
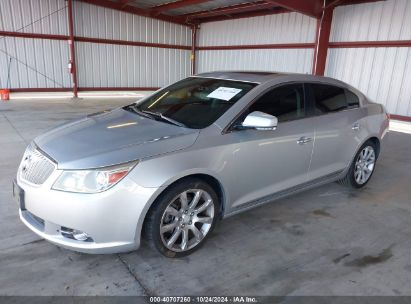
(110, 138)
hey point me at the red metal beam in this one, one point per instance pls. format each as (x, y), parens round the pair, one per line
(312, 8)
(258, 46)
(33, 35)
(173, 5)
(71, 46)
(24, 90)
(370, 44)
(400, 117)
(350, 2)
(133, 43)
(322, 41)
(94, 40)
(134, 10)
(82, 89)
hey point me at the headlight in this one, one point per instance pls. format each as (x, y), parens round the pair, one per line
(92, 181)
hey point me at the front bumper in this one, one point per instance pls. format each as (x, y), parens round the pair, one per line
(112, 218)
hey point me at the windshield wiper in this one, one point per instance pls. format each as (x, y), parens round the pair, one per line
(164, 118)
(136, 110)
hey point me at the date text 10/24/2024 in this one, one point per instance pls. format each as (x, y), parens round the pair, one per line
(203, 299)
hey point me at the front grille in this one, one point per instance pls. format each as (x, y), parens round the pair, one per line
(35, 166)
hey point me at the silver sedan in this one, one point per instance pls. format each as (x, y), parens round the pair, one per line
(168, 167)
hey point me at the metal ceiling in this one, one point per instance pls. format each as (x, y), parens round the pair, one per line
(190, 12)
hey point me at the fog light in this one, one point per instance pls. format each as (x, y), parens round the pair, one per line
(75, 234)
(79, 235)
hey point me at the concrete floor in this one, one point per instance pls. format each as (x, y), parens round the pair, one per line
(327, 241)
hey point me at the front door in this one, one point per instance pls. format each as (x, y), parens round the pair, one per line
(269, 161)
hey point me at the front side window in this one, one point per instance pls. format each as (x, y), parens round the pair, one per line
(328, 98)
(196, 102)
(285, 102)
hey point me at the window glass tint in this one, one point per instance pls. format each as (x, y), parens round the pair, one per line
(286, 103)
(196, 102)
(352, 99)
(328, 98)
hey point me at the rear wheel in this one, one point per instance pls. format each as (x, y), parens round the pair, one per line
(362, 167)
(182, 218)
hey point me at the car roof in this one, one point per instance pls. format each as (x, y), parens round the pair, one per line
(261, 77)
(258, 76)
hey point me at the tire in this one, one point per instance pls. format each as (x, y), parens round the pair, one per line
(174, 226)
(353, 178)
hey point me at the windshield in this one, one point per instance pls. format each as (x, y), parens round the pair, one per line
(195, 102)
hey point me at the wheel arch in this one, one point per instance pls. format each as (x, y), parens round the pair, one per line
(213, 181)
(377, 142)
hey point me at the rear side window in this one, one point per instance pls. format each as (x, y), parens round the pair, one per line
(328, 98)
(285, 102)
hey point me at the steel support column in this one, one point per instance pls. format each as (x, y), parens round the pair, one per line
(194, 29)
(72, 48)
(322, 41)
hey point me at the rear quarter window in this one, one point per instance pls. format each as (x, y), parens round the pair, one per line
(352, 99)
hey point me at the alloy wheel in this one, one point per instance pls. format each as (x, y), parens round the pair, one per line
(187, 220)
(364, 165)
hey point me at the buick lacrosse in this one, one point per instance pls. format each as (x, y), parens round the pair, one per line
(168, 167)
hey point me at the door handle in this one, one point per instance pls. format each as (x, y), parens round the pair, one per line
(304, 140)
(356, 126)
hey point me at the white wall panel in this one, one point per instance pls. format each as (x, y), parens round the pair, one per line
(34, 16)
(378, 21)
(100, 22)
(36, 63)
(279, 28)
(383, 74)
(282, 60)
(107, 65)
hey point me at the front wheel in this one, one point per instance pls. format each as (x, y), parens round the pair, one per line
(182, 218)
(362, 167)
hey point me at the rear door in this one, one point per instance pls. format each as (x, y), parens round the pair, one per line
(336, 115)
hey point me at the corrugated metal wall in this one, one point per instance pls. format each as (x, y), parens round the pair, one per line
(42, 63)
(271, 29)
(107, 65)
(282, 60)
(384, 73)
(280, 28)
(35, 63)
(100, 22)
(15, 15)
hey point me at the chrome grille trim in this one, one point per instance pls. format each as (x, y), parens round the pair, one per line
(35, 167)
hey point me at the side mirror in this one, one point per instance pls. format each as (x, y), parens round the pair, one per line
(260, 121)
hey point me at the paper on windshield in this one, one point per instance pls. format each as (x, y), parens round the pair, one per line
(224, 93)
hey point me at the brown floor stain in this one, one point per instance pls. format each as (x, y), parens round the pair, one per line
(367, 260)
(321, 212)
